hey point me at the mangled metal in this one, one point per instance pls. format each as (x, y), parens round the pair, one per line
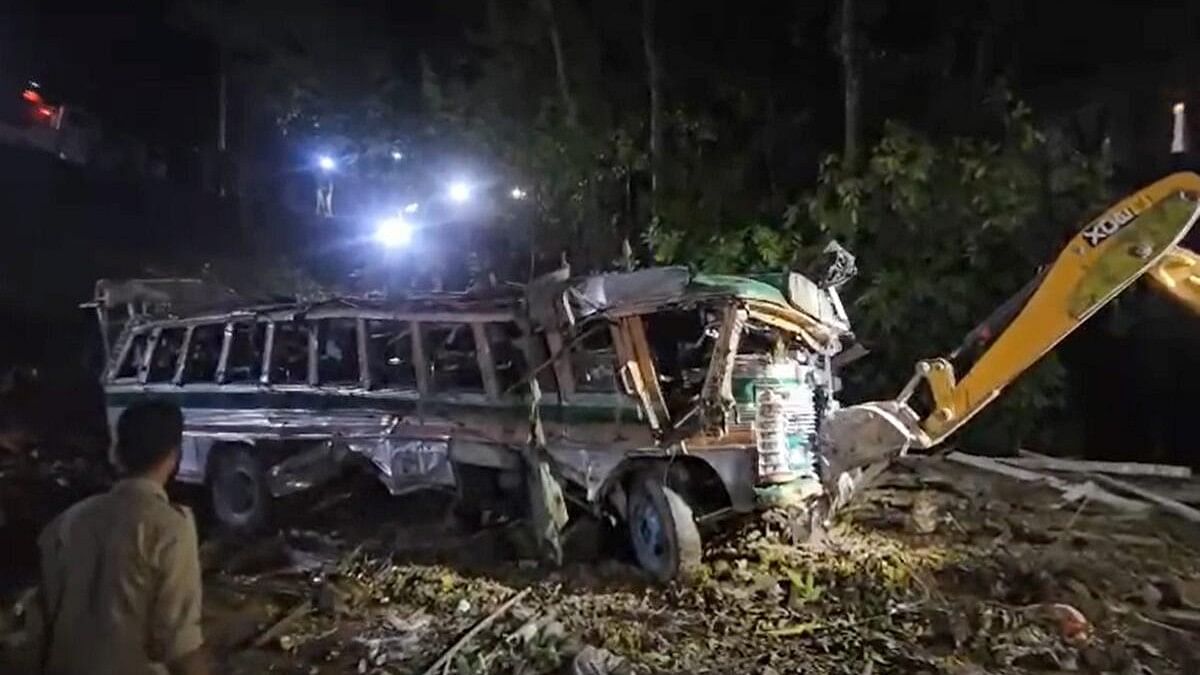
(568, 387)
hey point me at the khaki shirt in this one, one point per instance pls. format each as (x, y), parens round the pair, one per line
(121, 583)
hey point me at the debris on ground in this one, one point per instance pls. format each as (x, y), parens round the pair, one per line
(1035, 461)
(941, 567)
(593, 661)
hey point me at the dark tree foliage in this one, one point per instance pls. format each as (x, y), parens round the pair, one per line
(553, 96)
(944, 230)
(693, 132)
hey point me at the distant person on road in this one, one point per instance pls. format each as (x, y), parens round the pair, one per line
(121, 570)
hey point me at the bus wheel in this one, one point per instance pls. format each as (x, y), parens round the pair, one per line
(238, 489)
(662, 530)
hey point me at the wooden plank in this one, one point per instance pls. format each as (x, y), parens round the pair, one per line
(562, 369)
(1167, 504)
(1186, 618)
(645, 361)
(1122, 538)
(639, 386)
(1089, 491)
(718, 385)
(624, 356)
(1188, 493)
(630, 373)
(1035, 461)
(530, 346)
(991, 465)
(280, 627)
(441, 664)
(487, 363)
(1082, 490)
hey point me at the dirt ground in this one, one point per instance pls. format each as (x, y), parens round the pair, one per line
(939, 569)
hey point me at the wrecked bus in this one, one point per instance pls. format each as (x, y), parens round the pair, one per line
(661, 398)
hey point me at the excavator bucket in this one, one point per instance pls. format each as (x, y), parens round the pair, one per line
(1110, 253)
(1177, 275)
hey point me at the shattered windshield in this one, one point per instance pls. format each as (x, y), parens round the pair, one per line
(683, 340)
(682, 343)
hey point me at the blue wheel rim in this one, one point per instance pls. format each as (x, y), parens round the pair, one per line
(649, 537)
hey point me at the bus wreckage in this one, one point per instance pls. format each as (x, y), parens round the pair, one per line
(660, 397)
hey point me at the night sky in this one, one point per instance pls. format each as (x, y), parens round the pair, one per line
(128, 63)
(133, 64)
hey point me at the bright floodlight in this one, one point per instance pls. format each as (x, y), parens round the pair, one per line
(326, 163)
(1178, 108)
(518, 193)
(397, 155)
(394, 232)
(460, 192)
(412, 208)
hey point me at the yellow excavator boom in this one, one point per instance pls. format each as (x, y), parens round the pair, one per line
(1139, 236)
(1177, 275)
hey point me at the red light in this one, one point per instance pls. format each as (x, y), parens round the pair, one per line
(45, 111)
(31, 96)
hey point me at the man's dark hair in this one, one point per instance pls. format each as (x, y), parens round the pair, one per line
(147, 432)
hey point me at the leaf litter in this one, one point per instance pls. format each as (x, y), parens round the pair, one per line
(938, 569)
(993, 576)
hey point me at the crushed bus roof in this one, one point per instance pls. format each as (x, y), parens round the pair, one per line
(605, 293)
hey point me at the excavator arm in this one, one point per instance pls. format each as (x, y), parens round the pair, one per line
(1139, 236)
(1177, 275)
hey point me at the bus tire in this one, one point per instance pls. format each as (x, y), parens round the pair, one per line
(241, 501)
(662, 530)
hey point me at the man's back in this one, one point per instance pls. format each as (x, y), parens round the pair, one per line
(121, 584)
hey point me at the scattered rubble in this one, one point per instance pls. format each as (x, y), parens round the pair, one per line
(940, 568)
(1035, 461)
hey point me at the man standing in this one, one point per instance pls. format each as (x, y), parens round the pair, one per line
(121, 570)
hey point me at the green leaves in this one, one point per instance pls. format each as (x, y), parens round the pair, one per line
(944, 231)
